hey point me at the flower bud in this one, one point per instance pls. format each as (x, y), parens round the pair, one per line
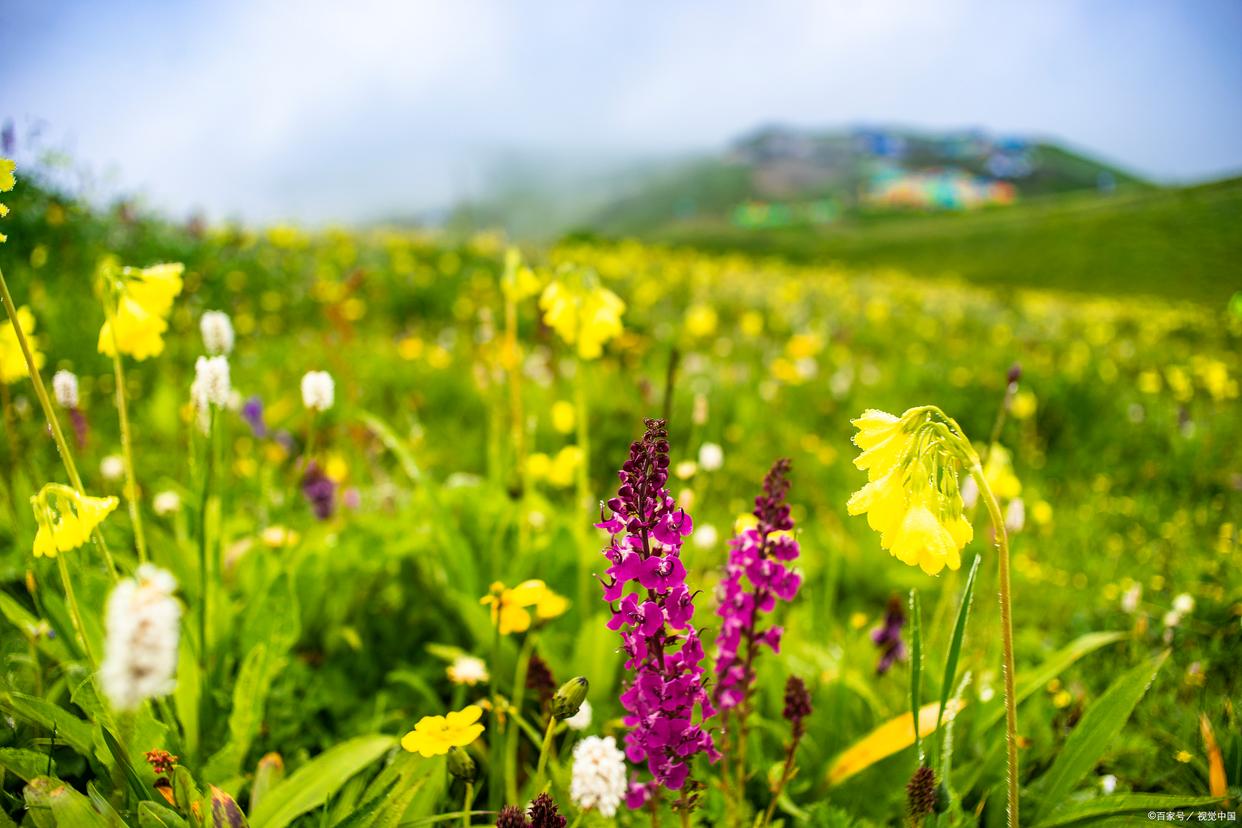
(569, 698)
(461, 765)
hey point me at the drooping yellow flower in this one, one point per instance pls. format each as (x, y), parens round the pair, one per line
(13, 365)
(583, 313)
(912, 496)
(436, 735)
(510, 607)
(144, 298)
(998, 469)
(66, 518)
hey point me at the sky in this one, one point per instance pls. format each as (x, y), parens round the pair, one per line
(314, 111)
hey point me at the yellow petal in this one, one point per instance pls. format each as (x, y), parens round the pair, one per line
(889, 738)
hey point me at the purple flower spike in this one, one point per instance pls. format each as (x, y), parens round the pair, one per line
(756, 576)
(319, 490)
(665, 700)
(252, 413)
(888, 636)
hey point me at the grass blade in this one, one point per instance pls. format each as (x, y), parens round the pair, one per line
(916, 669)
(959, 634)
(1100, 724)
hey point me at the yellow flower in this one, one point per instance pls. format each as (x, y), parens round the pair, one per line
(518, 281)
(564, 466)
(583, 315)
(911, 496)
(66, 518)
(563, 416)
(144, 298)
(701, 321)
(435, 735)
(13, 365)
(1023, 405)
(7, 182)
(999, 471)
(510, 606)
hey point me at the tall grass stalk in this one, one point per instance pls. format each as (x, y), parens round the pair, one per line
(49, 413)
(127, 450)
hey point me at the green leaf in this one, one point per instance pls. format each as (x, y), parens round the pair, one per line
(955, 644)
(1028, 682)
(51, 802)
(186, 695)
(70, 730)
(267, 775)
(25, 764)
(154, 815)
(26, 622)
(225, 812)
(1100, 724)
(916, 668)
(131, 776)
(312, 784)
(254, 681)
(1117, 804)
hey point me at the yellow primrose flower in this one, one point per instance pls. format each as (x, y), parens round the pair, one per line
(563, 416)
(510, 606)
(66, 518)
(563, 466)
(13, 365)
(7, 182)
(144, 298)
(912, 496)
(582, 314)
(518, 281)
(435, 735)
(999, 471)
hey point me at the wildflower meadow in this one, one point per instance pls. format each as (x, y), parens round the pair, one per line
(381, 527)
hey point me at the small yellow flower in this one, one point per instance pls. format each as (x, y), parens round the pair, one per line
(7, 182)
(564, 466)
(144, 298)
(999, 471)
(510, 607)
(701, 321)
(13, 365)
(563, 416)
(1183, 756)
(518, 281)
(435, 735)
(1023, 405)
(66, 518)
(583, 313)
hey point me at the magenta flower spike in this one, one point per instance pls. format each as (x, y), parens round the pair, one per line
(665, 699)
(756, 576)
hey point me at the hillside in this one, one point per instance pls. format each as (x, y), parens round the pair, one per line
(1181, 243)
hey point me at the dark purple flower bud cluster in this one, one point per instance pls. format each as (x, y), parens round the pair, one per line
(887, 637)
(756, 575)
(320, 490)
(797, 705)
(652, 609)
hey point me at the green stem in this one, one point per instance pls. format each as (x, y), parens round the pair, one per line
(519, 691)
(465, 808)
(204, 570)
(127, 450)
(582, 521)
(49, 414)
(1006, 610)
(494, 769)
(542, 767)
(75, 612)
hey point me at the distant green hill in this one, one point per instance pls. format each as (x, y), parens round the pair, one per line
(804, 177)
(1183, 243)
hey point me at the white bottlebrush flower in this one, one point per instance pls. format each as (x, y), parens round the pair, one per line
(582, 719)
(599, 775)
(217, 331)
(711, 456)
(143, 619)
(705, 536)
(1184, 604)
(112, 467)
(1015, 515)
(318, 390)
(166, 503)
(65, 387)
(468, 670)
(1131, 598)
(211, 382)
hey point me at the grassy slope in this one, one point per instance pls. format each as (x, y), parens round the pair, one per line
(1181, 243)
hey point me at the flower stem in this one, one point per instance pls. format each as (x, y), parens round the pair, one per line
(465, 808)
(583, 490)
(127, 443)
(62, 448)
(1006, 610)
(204, 571)
(494, 791)
(542, 767)
(519, 690)
(76, 613)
